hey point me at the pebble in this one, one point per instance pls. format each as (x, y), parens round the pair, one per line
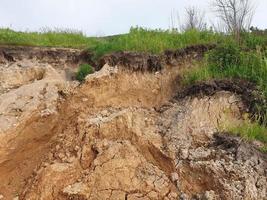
(209, 195)
(84, 99)
(174, 177)
(183, 196)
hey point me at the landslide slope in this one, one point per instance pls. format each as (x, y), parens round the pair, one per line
(129, 132)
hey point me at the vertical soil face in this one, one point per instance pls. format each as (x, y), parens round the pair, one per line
(20, 156)
(126, 134)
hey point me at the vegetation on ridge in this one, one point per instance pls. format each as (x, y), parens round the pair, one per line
(230, 60)
(138, 39)
(46, 38)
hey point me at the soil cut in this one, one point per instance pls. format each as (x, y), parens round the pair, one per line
(128, 132)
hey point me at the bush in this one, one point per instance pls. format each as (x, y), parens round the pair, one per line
(252, 41)
(225, 56)
(83, 71)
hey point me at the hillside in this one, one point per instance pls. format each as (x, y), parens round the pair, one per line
(165, 115)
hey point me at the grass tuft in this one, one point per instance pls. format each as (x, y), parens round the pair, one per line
(83, 71)
(250, 131)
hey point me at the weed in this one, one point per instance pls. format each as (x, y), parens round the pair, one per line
(229, 61)
(83, 71)
(48, 38)
(250, 131)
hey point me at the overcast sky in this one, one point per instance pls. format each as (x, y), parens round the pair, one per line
(103, 17)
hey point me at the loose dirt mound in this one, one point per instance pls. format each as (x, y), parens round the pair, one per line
(127, 135)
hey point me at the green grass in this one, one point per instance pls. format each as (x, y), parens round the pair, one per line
(264, 149)
(138, 39)
(154, 41)
(250, 131)
(252, 69)
(47, 38)
(83, 71)
(225, 63)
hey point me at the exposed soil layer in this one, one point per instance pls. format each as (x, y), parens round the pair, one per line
(250, 95)
(239, 148)
(58, 57)
(152, 63)
(126, 134)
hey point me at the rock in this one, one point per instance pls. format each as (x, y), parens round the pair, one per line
(174, 177)
(84, 99)
(209, 195)
(184, 153)
(183, 196)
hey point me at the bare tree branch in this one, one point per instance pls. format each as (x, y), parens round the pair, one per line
(236, 15)
(195, 19)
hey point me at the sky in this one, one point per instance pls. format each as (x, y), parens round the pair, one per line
(104, 17)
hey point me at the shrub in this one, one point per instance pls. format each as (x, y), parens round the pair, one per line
(252, 41)
(225, 56)
(83, 71)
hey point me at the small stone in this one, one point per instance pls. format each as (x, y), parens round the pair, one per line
(84, 99)
(184, 153)
(172, 195)
(178, 185)
(209, 195)
(155, 91)
(68, 154)
(70, 159)
(197, 197)
(45, 164)
(61, 155)
(104, 113)
(1, 196)
(174, 177)
(183, 196)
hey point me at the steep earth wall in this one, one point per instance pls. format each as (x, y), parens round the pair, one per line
(128, 132)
